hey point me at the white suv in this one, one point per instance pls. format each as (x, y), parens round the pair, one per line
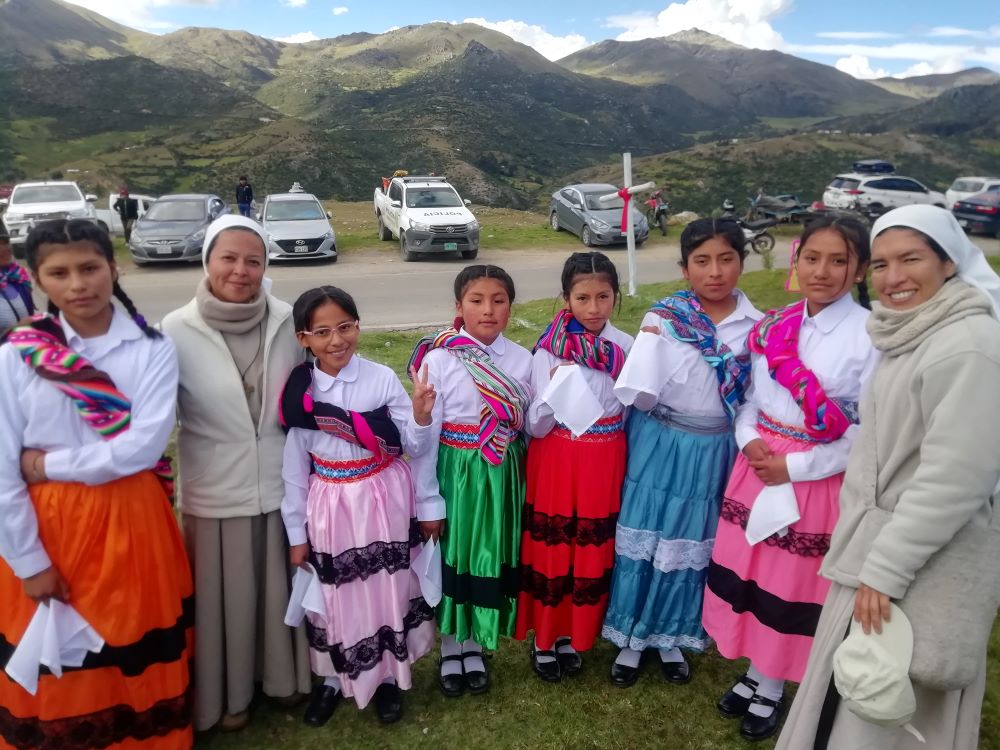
(965, 187)
(32, 202)
(878, 191)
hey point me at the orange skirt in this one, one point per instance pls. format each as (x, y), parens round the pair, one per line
(120, 550)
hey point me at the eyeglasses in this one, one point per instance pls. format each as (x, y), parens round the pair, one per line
(344, 330)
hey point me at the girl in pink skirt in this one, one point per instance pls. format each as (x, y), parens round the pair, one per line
(810, 361)
(349, 509)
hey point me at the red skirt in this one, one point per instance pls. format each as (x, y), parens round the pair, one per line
(568, 544)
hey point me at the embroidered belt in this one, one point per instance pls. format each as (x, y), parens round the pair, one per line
(338, 472)
(463, 436)
(767, 424)
(602, 431)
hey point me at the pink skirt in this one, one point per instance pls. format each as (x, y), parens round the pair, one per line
(362, 529)
(763, 602)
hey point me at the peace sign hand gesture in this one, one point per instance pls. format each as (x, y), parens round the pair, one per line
(424, 396)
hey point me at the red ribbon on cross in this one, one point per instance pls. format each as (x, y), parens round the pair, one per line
(626, 196)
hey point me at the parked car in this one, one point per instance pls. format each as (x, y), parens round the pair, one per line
(298, 226)
(980, 212)
(32, 202)
(173, 229)
(966, 187)
(111, 221)
(428, 216)
(578, 209)
(878, 192)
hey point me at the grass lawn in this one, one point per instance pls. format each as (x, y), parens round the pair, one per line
(521, 712)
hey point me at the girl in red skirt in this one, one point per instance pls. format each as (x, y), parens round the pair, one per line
(574, 484)
(87, 401)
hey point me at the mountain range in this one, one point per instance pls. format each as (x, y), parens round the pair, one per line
(193, 108)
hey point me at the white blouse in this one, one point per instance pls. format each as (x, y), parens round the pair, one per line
(458, 401)
(35, 414)
(678, 377)
(541, 418)
(361, 386)
(835, 346)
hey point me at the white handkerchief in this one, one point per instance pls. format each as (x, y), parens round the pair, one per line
(57, 637)
(571, 399)
(774, 510)
(307, 596)
(427, 564)
(641, 374)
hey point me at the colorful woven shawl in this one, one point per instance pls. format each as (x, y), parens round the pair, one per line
(372, 430)
(504, 399)
(776, 336)
(687, 321)
(567, 339)
(42, 345)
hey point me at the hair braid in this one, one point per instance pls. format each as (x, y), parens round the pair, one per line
(134, 313)
(863, 298)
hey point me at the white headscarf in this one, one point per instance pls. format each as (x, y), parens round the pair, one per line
(228, 221)
(943, 228)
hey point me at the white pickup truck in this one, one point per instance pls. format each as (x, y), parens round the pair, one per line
(111, 221)
(427, 215)
(32, 202)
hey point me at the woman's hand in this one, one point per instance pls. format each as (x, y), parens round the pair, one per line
(756, 450)
(431, 530)
(871, 607)
(298, 555)
(49, 584)
(423, 397)
(771, 469)
(33, 466)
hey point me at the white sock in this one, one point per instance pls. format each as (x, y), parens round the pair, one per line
(743, 690)
(767, 687)
(472, 656)
(450, 647)
(544, 659)
(333, 682)
(564, 645)
(671, 655)
(628, 657)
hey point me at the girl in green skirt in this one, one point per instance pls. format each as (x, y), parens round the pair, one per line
(470, 486)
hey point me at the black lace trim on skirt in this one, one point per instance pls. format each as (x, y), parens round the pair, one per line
(554, 529)
(361, 563)
(551, 592)
(795, 542)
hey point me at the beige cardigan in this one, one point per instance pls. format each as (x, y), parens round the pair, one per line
(229, 466)
(937, 441)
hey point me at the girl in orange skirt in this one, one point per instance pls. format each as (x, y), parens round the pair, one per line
(87, 399)
(574, 483)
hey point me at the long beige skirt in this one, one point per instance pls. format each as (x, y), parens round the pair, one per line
(948, 721)
(242, 584)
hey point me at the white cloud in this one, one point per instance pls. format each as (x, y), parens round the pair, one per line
(857, 35)
(301, 38)
(294, 3)
(745, 22)
(940, 65)
(958, 54)
(139, 14)
(954, 31)
(340, 10)
(549, 45)
(859, 66)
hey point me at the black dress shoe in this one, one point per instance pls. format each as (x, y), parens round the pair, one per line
(734, 706)
(322, 703)
(570, 662)
(623, 676)
(452, 685)
(759, 727)
(389, 703)
(677, 672)
(548, 671)
(478, 680)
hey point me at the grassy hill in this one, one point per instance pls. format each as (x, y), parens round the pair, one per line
(927, 87)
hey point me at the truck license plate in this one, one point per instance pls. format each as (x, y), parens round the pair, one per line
(451, 246)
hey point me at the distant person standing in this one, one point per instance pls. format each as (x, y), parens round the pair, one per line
(128, 210)
(244, 196)
(15, 286)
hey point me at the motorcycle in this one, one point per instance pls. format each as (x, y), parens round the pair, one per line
(756, 235)
(658, 211)
(779, 207)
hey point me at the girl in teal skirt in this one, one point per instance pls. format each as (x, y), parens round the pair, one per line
(470, 486)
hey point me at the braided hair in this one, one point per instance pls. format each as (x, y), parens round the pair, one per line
(67, 231)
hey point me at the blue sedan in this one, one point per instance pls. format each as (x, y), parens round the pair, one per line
(578, 209)
(980, 213)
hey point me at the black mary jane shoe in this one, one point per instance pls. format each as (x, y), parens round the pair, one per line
(548, 671)
(623, 676)
(676, 672)
(570, 662)
(452, 685)
(477, 681)
(389, 703)
(732, 705)
(322, 703)
(756, 728)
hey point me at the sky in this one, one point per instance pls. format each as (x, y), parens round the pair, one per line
(865, 38)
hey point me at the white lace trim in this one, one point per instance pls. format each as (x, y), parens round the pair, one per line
(654, 641)
(635, 544)
(682, 554)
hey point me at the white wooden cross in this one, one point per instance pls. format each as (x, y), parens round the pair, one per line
(630, 228)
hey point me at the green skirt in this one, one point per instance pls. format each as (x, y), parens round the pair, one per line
(481, 544)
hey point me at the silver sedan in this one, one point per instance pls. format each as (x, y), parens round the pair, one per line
(578, 209)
